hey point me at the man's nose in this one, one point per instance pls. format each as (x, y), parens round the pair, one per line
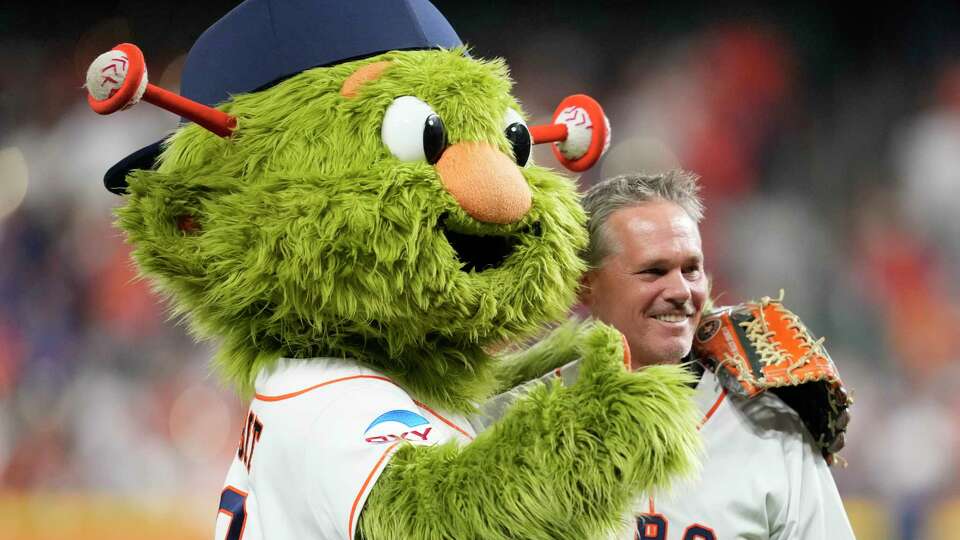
(677, 288)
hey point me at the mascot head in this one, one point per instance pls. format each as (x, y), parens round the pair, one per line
(382, 208)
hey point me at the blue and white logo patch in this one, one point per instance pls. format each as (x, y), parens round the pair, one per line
(398, 425)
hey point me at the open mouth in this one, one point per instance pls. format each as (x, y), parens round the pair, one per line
(484, 252)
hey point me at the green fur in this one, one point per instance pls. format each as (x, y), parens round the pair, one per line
(557, 349)
(315, 241)
(564, 463)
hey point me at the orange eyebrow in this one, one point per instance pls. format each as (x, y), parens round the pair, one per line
(370, 72)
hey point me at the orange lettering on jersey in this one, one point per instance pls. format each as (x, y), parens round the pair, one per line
(651, 527)
(249, 438)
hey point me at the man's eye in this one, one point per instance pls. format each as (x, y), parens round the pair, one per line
(652, 272)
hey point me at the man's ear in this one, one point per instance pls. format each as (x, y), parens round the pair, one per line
(585, 287)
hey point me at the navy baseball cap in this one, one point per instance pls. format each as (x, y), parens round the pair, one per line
(262, 42)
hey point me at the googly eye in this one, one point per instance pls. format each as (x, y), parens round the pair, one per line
(412, 131)
(518, 135)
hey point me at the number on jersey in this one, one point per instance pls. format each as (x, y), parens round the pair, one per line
(698, 532)
(233, 503)
(654, 527)
(249, 439)
(651, 527)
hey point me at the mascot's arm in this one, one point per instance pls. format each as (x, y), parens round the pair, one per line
(564, 462)
(559, 348)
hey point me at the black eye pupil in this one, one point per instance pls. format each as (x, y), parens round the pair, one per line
(434, 138)
(519, 137)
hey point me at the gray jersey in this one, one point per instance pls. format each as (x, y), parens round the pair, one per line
(762, 477)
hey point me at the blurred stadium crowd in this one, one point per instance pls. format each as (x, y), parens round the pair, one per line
(828, 143)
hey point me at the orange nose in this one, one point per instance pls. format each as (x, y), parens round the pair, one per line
(485, 182)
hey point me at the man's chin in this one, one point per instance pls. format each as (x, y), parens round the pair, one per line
(673, 351)
(667, 353)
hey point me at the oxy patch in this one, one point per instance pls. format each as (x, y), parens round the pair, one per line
(398, 425)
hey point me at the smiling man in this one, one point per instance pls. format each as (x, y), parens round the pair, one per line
(762, 476)
(646, 275)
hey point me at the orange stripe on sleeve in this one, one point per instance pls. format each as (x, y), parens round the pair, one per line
(282, 397)
(363, 488)
(444, 420)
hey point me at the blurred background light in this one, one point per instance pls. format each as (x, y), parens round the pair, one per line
(13, 180)
(200, 423)
(647, 154)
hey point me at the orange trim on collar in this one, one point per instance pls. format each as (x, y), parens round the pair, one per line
(713, 409)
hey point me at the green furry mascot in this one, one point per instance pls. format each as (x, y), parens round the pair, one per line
(366, 234)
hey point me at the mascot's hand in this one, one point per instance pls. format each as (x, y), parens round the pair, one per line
(653, 405)
(646, 421)
(593, 441)
(602, 350)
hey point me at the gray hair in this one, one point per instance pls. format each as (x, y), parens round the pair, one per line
(677, 186)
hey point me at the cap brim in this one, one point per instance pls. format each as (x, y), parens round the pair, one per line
(115, 180)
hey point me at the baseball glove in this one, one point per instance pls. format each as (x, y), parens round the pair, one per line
(759, 346)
